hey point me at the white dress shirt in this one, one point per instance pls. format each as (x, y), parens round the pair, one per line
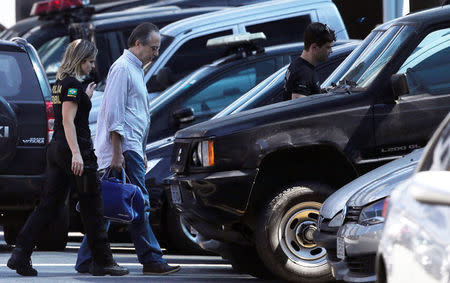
(124, 109)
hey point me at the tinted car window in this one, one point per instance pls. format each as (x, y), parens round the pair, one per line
(186, 58)
(51, 54)
(281, 31)
(425, 66)
(325, 69)
(229, 86)
(17, 78)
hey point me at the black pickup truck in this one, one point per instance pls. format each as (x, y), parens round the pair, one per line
(254, 181)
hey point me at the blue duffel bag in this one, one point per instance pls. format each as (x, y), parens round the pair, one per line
(123, 201)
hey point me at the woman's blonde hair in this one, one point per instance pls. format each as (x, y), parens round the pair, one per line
(76, 53)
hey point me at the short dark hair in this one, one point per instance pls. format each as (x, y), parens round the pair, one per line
(141, 33)
(318, 33)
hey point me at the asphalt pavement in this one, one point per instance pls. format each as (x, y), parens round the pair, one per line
(59, 267)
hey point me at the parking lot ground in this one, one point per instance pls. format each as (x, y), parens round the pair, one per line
(59, 267)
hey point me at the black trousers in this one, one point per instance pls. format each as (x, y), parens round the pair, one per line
(59, 177)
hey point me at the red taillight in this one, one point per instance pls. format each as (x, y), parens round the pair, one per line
(46, 7)
(50, 120)
(385, 207)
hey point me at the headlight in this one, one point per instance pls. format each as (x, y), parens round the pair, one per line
(372, 214)
(337, 220)
(203, 155)
(152, 163)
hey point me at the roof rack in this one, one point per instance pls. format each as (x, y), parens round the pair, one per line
(244, 43)
(236, 40)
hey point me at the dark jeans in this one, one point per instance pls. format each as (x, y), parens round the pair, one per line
(145, 242)
(56, 191)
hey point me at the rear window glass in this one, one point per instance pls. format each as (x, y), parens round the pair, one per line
(282, 31)
(51, 54)
(17, 78)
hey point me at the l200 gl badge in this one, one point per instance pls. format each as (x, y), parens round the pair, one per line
(400, 148)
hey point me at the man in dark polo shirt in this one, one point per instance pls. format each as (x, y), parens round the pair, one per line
(301, 79)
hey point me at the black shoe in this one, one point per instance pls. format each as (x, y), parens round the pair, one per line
(113, 270)
(20, 261)
(160, 268)
(83, 268)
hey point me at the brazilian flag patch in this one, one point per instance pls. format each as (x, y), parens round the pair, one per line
(72, 92)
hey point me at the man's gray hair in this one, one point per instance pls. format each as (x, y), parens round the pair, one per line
(142, 33)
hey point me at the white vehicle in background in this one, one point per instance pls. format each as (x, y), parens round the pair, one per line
(415, 246)
(183, 43)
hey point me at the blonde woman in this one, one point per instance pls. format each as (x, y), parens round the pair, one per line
(70, 159)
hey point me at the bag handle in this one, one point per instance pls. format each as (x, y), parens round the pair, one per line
(124, 175)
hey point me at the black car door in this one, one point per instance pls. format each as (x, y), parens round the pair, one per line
(410, 122)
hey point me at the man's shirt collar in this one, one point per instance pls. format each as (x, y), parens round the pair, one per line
(132, 58)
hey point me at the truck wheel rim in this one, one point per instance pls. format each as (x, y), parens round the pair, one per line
(190, 232)
(295, 234)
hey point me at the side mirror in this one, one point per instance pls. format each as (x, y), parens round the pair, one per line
(184, 115)
(432, 187)
(399, 85)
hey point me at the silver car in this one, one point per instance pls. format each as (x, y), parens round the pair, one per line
(415, 245)
(334, 213)
(358, 238)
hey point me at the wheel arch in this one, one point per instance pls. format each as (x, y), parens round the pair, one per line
(321, 162)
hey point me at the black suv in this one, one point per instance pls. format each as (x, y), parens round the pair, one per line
(26, 126)
(256, 180)
(208, 85)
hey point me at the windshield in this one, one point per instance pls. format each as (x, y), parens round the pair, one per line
(337, 74)
(375, 56)
(254, 94)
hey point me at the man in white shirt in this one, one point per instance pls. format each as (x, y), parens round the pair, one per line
(122, 128)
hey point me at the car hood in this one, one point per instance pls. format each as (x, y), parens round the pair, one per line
(381, 188)
(252, 118)
(158, 145)
(367, 182)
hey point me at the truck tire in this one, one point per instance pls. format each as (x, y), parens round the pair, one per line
(180, 236)
(284, 234)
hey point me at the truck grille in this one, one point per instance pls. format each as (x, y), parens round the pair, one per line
(180, 155)
(352, 214)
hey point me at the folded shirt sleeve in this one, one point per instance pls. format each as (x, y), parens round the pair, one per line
(115, 98)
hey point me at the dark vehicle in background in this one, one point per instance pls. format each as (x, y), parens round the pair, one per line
(213, 78)
(255, 180)
(108, 30)
(26, 126)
